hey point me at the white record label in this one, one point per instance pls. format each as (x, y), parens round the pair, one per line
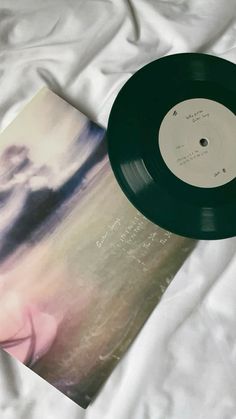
(197, 140)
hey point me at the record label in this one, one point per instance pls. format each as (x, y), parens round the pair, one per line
(197, 142)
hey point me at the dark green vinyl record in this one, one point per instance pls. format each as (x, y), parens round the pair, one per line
(172, 144)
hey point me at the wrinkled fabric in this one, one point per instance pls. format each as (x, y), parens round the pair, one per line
(183, 363)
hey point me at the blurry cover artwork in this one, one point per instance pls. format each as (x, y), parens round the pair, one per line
(81, 269)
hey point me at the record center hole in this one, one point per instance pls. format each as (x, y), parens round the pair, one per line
(204, 142)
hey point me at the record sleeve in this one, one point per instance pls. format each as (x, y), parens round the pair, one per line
(81, 269)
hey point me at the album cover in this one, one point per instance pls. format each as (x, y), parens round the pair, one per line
(81, 269)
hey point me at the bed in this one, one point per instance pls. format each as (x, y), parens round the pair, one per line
(183, 362)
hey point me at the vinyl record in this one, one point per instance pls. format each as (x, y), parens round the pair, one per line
(172, 144)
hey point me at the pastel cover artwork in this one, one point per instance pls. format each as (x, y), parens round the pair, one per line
(81, 269)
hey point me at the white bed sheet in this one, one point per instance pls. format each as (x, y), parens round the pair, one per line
(183, 363)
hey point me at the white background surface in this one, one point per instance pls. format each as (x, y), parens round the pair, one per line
(183, 363)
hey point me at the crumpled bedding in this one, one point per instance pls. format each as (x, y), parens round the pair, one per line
(183, 363)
